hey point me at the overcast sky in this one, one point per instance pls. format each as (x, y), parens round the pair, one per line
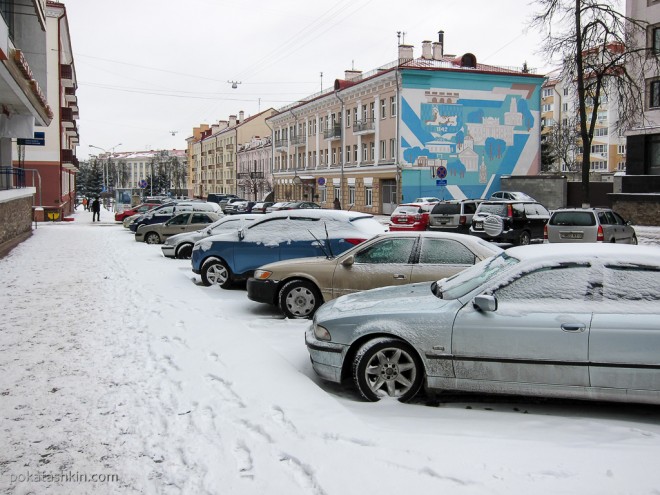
(149, 71)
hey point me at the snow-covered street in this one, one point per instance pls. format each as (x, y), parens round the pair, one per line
(121, 373)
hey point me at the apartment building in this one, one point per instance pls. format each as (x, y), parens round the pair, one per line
(437, 125)
(643, 141)
(24, 108)
(253, 166)
(559, 108)
(212, 152)
(53, 154)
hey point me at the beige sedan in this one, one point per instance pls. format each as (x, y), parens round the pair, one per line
(300, 286)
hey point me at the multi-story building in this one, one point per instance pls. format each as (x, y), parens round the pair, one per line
(643, 141)
(437, 125)
(559, 110)
(54, 157)
(212, 152)
(253, 166)
(24, 107)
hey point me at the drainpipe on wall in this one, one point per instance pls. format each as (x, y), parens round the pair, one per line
(271, 164)
(341, 147)
(295, 156)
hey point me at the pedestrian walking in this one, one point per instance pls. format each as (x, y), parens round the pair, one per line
(84, 202)
(96, 210)
(337, 204)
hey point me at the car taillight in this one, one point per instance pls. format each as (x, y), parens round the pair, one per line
(545, 232)
(354, 240)
(418, 217)
(600, 237)
(509, 211)
(462, 220)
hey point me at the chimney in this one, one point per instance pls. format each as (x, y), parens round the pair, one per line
(405, 53)
(439, 46)
(241, 114)
(352, 74)
(426, 50)
(232, 120)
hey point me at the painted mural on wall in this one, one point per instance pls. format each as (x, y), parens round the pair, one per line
(470, 131)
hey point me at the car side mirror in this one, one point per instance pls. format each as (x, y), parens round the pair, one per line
(485, 303)
(241, 234)
(348, 261)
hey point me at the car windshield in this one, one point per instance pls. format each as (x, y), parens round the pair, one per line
(468, 280)
(410, 210)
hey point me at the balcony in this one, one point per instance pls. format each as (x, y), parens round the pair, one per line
(298, 140)
(70, 96)
(67, 117)
(364, 126)
(333, 132)
(229, 147)
(281, 144)
(66, 75)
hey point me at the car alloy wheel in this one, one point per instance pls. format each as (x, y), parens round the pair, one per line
(387, 367)
(215, 272)
(524, 238)
(184, 252)
(299, 299)
(152, 238)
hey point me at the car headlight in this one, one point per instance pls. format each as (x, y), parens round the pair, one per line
(262, 274)
(321, 333)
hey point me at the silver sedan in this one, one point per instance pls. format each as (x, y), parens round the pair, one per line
(574, 321)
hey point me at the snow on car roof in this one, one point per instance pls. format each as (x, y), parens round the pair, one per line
(587, 251)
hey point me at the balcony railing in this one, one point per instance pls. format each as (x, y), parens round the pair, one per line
(12, 178)
(364, 126)
(281, 143)
(298, 140)
(334, 132)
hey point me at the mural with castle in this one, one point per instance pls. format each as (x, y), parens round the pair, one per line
(475, 129)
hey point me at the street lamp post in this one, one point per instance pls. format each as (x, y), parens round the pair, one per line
(109, 154)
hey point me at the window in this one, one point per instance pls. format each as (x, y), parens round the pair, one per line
(547, 108)
(600, 131)
(372, 110)
(351, 195)
(334, 156)
(355, 114)
(640, 284)
(565, 91)
(323, 194)
(383, 109)
(655, 39)
(365, 155)
(654, 94)
(445, 252)
(599, 148)
(393, 148)
(564, 107)
(355, 153)
(621, 149)
(368, 196)
(383, 149)
(393, 106)
(200, 218)
(348, 153)
(348, 118)
(547, 92)
(387, 251)
(372, 150)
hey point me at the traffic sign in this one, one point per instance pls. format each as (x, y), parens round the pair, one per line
(441, 182)
(39, 139)
(441, 172)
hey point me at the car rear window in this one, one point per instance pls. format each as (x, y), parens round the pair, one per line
(447, 209)
(493, 208)
(573, 219)
(407, 209)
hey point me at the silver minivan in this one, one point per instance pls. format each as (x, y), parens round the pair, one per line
(588, 225)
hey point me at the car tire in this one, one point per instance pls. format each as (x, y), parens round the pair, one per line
(387, 367)
(634, 240)
(524, 238)
(152, 238)
(216, 272)
(299, 299)
(184, 251)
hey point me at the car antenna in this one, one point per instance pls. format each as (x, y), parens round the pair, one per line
(320, 243)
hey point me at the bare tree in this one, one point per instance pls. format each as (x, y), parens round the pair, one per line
(563, 141)
(594, 43)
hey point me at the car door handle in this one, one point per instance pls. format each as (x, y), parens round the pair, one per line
(573, 327)
(399, 277)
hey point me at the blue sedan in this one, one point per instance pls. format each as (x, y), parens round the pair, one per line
(226, 258)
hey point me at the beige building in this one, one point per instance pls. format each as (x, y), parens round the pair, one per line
(559, 107)
(253, 165)
(212, 152)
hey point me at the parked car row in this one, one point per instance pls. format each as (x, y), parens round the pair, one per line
(396, 312)
(517, 221)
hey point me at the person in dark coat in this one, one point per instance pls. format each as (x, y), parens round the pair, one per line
(337, 204)
(96, 210)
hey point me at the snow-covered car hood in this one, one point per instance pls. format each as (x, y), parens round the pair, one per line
(382, 301)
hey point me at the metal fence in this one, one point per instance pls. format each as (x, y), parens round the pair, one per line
(12, 178)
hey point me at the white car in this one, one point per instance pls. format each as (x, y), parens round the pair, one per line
(180, 245)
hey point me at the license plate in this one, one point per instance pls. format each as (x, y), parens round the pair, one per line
(444, 219)
(478, 225)
(571, 235)
(402, 220)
